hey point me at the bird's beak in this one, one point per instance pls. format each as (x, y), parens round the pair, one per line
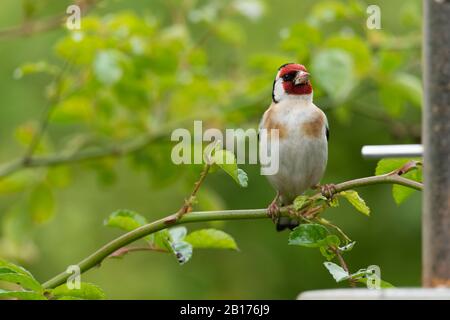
(302, 77)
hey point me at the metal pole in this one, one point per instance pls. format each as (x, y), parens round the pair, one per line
(436, 139)
(392, 151)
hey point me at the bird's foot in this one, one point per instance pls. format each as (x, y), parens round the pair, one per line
(328, 190)
(273, 210)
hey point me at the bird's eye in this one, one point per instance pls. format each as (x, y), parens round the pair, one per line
(289, 76)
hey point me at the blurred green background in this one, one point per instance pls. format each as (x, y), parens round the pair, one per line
(137, 66)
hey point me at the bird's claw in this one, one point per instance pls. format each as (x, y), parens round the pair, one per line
(273, 211)
(328, 190)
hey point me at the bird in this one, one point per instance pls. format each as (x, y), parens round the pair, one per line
(303, 135)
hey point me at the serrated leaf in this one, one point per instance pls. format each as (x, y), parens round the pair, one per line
(300, 202)
(356, 201)
(125, 219)
(87, 291)
(211, 239)
(22, 295)
(337, 272)
(41, 203)
(227, 162)
(308, 235)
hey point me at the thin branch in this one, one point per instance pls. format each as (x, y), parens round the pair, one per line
(189, 201)
(28, 28)
(332, 225)
(343, 265)
(68, 158)
(250, 214)
(125, 250)
(45, 118)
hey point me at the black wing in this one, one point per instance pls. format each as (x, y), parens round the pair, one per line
(327, 133)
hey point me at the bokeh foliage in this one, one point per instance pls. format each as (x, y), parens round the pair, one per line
(136, 70)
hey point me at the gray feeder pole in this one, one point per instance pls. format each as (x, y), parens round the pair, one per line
(436, 140)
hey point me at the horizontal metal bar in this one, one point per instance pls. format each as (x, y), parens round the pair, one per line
(392, 151)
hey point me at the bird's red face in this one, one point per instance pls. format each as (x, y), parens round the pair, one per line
(295, 79)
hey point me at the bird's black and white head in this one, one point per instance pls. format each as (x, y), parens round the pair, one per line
(292, 82)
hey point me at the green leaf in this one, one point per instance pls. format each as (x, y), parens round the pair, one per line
(230, 31)
(211, 239)
(356, 201)
(160, 239)
(356, 47)
(42, 203)
(10, 272)
(35, 67)
(227, 162)
(87, 291)
(24, 281)
(400, 193)
(327, 253)
(22, 295)
(334, 202)
(363, 276)
(8, 267)
(409, 86)
(334, 71)
(173, 240)
(300, 202)
(74, 109)
(16, 182)
(68, 298)
(338, 273)
(125, 219)
(333, 240)
(389, 165)
(383, 284)
(308, 235)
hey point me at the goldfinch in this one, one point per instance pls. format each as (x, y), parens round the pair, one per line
(303, 138)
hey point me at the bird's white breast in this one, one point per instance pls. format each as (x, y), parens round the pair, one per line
(303, 149)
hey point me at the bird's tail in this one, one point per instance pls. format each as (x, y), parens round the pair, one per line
(286, 223)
